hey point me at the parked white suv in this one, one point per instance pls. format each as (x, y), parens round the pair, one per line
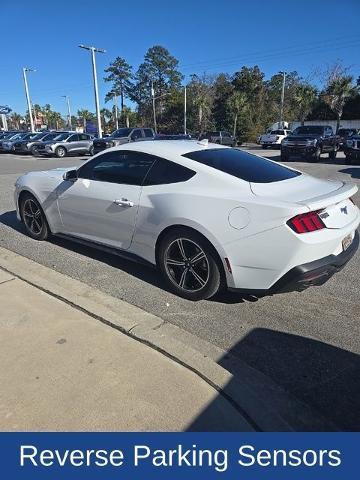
(274, 137)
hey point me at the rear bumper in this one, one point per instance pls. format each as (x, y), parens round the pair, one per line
(309, 274)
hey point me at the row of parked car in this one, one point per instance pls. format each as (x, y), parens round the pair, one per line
(63, 143)
(311, 141)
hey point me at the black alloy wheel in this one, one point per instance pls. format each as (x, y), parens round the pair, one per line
(189, 265)
(34, 219)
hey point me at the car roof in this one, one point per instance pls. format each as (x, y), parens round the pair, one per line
(168, 148)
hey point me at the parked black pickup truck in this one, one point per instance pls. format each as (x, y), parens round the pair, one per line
(310, 142)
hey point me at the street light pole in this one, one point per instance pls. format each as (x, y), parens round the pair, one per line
(185, 110)
(96, 89)
(282, 99)
(67, 98)
(25, 69)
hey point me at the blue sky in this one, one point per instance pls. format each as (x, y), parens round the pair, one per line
(206, 36)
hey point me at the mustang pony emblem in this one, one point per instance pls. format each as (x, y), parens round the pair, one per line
(344, 210)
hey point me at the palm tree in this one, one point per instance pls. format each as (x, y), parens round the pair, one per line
(339, 90)
(304, 97)
(237, 104)
(15, 119)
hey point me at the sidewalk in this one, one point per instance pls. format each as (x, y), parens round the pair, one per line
(63, 370)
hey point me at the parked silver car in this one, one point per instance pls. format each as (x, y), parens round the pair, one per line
(67, 143)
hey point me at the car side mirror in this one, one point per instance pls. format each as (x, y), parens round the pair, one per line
(70, 176)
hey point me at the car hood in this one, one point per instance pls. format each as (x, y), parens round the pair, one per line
(57, 172)
(110, 139)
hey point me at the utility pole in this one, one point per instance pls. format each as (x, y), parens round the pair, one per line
(282, 99)
(153, 104)
(185, 110)
(96, 90)
(67, 98)
(25, 69)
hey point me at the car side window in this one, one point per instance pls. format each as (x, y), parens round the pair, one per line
(136, 134)
(148, 133)
(73, 138)
(123, 167)
(83, 136)
(164, 172)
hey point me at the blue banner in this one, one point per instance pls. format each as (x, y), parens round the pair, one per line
(143, 456)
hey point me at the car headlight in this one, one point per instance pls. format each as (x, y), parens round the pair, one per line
(311, 142)
(28, 145)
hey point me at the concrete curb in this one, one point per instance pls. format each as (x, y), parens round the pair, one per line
(259, 400)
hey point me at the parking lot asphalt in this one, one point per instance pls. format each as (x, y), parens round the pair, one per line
(308, 343)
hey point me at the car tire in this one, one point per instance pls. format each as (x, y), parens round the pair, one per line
(333, 154)
(315, 157)
(60, 152)
(91, 151)
(33, 151)
(193, 280)
(33, 217)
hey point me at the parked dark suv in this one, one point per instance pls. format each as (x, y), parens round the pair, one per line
(352, 149)
(345, 134)
(310, 141)
(121, 136)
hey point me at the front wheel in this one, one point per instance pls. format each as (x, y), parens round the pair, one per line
(315, 157)
(34, 218)
(333, 154)
(189, 265)
(60, 152)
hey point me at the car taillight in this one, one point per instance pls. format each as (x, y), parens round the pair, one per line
(306, 222)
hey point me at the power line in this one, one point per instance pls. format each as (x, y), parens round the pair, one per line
(294, 50)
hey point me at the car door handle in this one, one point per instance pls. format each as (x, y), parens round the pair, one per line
(124, 202)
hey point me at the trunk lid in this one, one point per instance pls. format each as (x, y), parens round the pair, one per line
(332, 198)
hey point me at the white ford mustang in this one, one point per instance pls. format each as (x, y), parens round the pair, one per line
(208, 216)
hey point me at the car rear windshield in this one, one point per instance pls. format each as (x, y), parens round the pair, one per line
(308, 130)
(243, 165)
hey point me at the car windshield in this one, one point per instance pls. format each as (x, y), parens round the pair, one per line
(49, 136)
(61, 137)
(243, 165)
(308, 130)
(39, 136)
(29, 136)
(277, 132)
(122, 132)
(346, 132)
(16, 136)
